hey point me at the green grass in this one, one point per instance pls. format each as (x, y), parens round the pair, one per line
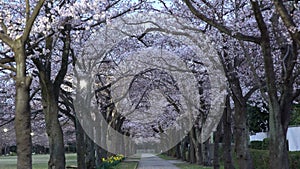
(38, 161)
(126, 165)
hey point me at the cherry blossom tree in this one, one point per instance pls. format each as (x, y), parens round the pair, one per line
(271, 21)
(16, 41)
(82, 26)
(142, 43)
(52, 35)
(50, 42)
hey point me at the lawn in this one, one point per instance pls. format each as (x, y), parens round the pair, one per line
(41, 161)
(126, 165)
(38, 161)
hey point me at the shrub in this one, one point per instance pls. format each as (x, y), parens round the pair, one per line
(261, 159)
(256, 145)
(265, 144)
(294, 159)
(260, 145)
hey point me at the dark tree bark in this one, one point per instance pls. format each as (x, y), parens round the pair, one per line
(240, 117)
(279, 106)
(183, 149)
(50, 95)
(90, 153)
(53, 128)
(100, 153)
(240, 108)
(178, 155)
(242, 135)
(227, 120)
(217, 138)
(206, 154)
(80, 145)
(200, 160)
(192, 152)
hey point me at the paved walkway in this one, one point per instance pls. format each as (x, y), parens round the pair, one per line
(150, 161)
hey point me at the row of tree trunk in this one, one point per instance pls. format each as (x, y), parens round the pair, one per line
(208, 153)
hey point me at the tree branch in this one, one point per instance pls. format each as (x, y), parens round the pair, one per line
(64, 62)
(3, 26)
(6, 39)
(34, 93)
(30, 19)
(251, 91)
(8, 67)
(296, 94)
(221, 27)
(27, 10)
(7, 122)
(287, 20)
(266, 51)
(7, 60)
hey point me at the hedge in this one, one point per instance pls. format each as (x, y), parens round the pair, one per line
(261, 159)
(260, 145)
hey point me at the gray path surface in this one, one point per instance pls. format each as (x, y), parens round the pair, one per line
(149, 161)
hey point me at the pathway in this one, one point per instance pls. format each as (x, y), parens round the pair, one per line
(150, 161)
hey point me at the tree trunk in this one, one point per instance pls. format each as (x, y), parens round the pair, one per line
(192, 157)
(199, 154)
(183, 149)
(22, 114)
(241, 136)
(206, 153)
(279, 106)
(54, 131)
(279, 120)
(53, 128)
(278, 145)
(100, 153)
(240, 117)
(217, 137)
(193, 145)
(178, 155)
(90, 153)
(228, 164)
(50, 94)
(278, 149)
(80, 145)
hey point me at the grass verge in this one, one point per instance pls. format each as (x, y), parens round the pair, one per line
(38, 161)
(126, 165)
